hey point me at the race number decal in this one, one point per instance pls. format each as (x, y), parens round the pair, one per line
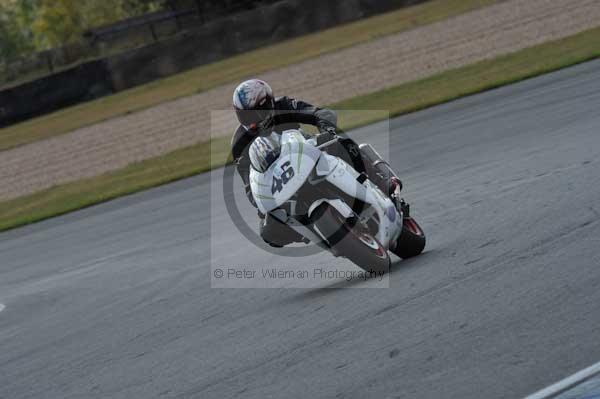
(288, 173)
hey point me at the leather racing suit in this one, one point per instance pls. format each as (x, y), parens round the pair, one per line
(289, 114)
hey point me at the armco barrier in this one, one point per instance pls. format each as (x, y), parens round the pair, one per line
(239, 33)
(210, 42)
(82, 83)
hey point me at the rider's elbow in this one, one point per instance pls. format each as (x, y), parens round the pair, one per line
(327, 115)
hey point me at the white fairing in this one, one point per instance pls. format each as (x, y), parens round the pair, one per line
(343, 176)
(298, 158)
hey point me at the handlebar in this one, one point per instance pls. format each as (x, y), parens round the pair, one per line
(335, 140)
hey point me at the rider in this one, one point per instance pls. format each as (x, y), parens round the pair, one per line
(260, 114)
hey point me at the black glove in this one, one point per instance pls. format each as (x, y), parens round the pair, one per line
(327, 132)
(326, 127)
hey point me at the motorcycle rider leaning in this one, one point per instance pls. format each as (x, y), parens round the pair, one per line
(260, 114)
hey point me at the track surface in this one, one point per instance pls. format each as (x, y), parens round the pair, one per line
(115, 301)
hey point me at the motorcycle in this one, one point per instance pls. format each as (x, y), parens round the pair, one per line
(324, 199)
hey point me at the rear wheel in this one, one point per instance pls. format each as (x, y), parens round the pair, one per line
(411, 241)
(352, 241)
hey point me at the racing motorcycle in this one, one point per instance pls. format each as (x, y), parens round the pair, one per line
(323, 198)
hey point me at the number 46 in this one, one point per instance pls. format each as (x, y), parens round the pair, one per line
(288, 173)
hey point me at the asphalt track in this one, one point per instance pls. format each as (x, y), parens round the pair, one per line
(115, 301)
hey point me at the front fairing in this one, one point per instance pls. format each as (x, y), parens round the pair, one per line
(287, 174)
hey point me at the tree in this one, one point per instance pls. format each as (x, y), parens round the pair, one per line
(64, 21)
(33, 25)
(138, 7)
(16, 37)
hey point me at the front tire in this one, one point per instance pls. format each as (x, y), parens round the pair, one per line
(411, 241)
(351, 241)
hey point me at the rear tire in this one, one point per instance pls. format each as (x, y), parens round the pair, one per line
(351, 241)
(411, 241)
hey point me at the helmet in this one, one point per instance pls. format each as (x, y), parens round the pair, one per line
(263, 152)
(253, 102)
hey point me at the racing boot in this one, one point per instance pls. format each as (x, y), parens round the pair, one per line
(278, 234)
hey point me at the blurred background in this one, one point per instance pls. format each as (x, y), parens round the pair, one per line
(118, 44)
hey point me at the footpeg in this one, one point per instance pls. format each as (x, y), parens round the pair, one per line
(405, 208)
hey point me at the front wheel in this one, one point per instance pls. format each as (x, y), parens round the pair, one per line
(411, 241)
(351, 241)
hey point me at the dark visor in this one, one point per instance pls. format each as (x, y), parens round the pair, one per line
(257, 115)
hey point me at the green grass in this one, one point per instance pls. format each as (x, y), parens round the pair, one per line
(234, 68)
(135, 177)
(484, 75)
(408, 97)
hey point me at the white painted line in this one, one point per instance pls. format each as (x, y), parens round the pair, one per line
(567, 383)
(2, 307)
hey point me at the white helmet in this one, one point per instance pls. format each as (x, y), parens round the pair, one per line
(263, 152)
(253, 102)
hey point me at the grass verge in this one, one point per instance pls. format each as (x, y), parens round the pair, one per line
(234, 68)
(402, 99)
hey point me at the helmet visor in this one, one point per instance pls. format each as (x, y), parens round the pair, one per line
(249, 117)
